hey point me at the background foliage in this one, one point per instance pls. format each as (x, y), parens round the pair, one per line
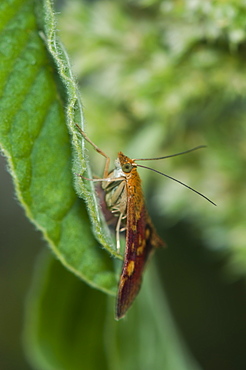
(156, 77)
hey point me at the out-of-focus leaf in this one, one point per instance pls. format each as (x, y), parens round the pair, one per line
(70, 326)
(64, 320)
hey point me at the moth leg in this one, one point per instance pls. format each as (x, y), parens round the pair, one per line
(117, 230)
(124, 227)
(105, 173)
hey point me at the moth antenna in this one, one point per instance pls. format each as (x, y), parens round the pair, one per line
(172, 155)
(180, 182)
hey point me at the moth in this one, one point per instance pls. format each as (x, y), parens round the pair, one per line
(124, 198)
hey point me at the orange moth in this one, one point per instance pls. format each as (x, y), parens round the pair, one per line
(124, 198)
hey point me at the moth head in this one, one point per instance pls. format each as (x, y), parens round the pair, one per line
(127, 164)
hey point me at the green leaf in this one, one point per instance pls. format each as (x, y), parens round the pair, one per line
(35, 139)
(70, 326)
(75, 115)
(64, 320)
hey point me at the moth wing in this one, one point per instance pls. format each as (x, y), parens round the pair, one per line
(141, 239)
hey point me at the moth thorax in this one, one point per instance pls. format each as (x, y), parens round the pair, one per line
(116, 197)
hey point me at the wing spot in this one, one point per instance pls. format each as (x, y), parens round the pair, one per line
(141, 247)
(130, 268)
(147, 233)
(139, 239)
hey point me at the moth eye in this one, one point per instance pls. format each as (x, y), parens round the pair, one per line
(127, 167)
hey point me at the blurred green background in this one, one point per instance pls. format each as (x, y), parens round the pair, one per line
(159, 77)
